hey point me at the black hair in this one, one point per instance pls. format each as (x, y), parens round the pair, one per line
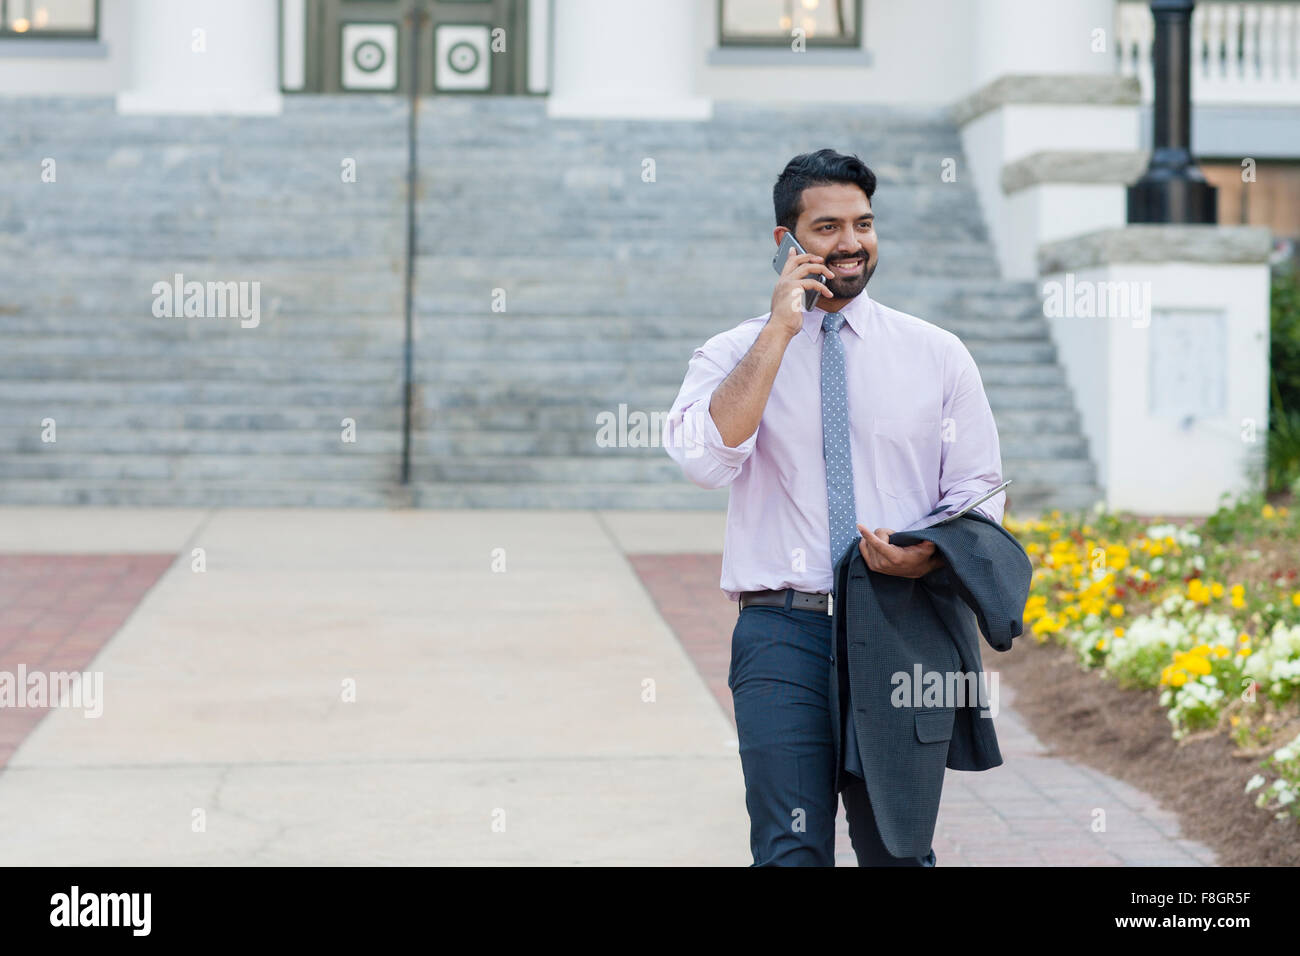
(821, 168)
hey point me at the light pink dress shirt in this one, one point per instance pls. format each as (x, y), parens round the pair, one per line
(921, 432)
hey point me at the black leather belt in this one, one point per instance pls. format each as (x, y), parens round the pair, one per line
(799, 601)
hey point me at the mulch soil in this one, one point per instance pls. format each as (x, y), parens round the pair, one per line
(1082, 716)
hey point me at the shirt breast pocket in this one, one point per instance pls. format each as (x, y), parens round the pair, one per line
(907, 456)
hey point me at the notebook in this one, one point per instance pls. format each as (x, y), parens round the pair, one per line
(945, 513)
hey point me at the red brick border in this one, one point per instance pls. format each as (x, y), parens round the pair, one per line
(57, 611)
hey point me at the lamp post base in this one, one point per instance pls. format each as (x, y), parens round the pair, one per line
(1172, 199)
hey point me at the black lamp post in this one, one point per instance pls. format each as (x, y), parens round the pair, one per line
(1172, 189)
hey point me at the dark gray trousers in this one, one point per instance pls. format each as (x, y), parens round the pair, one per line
(779, 680)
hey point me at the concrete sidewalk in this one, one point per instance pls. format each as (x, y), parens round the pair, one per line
(519, 698)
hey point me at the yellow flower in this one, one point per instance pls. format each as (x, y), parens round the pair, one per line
(1234, 720)
(1118, 632)
(1177, 678)
(1033, 547)
(1101, 644)
(1243, 638)
(1267, 511)
(1216, 589)
(1197, 665)
(1282, 511)
(1237, 601)
(1244, 652)
(1295, 598)
(1220, 651)
(1117, 610)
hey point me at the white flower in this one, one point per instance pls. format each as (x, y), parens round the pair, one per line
(1285, 797)
(1157, 564)
(1255, 782)
(1279, 784)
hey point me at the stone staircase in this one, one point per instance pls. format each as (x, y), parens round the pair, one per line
(554, 283)
(201, 411)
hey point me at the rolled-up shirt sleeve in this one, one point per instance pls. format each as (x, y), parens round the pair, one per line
(690, 434)
(971, 459)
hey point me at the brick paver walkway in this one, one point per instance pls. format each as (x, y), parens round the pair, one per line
(1033, 810)
(56, 612)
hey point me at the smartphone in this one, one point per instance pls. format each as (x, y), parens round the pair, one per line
(788, 242)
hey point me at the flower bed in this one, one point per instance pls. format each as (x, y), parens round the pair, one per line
(1206, 613)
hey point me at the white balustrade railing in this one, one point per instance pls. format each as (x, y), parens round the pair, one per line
(1246, 53)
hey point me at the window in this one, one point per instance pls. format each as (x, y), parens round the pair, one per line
(49, 18)
(825, 23)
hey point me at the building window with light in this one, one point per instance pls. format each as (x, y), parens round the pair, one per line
(49, 18)
(821, 23)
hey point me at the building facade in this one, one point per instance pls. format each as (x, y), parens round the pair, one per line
(1031, 117)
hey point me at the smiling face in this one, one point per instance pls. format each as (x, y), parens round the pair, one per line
(836, 223)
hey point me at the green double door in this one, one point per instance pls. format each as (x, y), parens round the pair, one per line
(367, 46)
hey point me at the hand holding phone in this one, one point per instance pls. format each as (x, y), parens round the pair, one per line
(799, 270)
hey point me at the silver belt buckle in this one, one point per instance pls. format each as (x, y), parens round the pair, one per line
(830, 603)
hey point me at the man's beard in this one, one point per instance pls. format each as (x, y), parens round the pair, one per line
(851, 286)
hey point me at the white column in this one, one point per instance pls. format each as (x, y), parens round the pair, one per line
(619, 59)
(203, 56)
(1033, 36)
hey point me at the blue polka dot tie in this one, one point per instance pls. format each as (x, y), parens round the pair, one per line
(835, 439)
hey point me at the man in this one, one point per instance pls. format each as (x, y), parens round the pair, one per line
(818, 420)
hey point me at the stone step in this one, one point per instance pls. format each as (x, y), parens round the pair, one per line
(176, 348)
(578, 439)
(1031, 500)
(342, 396)
(620, 467)
(60, 462)
(581, 419)
(86, 438)
(69, 462)
(663, 372)
(21, 419)
(200, 370)
(563, 426)
(143, 492)
(388, 348)
(491, 330)
(508, 328)
(432, 397)
(637, 297)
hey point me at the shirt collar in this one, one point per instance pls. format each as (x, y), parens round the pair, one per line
(856, 314)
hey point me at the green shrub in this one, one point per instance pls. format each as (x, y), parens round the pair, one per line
(1284, 360)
